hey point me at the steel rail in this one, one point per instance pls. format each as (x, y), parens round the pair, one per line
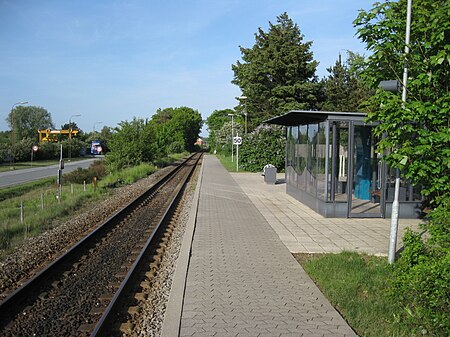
(106, 322)
(14, 302)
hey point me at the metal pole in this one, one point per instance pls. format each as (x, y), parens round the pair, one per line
(395, 203)
(237, 155)
(245, 113)
(232, 134)
(70, 141)
(60, 174)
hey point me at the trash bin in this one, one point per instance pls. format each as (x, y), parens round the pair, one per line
(270, 174)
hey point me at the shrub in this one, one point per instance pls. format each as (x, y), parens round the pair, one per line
(96, 169)
(265, 145)
(422, 282)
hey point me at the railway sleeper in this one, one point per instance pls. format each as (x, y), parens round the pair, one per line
(86, 328)
(127, 327)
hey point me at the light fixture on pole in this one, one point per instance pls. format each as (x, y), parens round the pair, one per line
(395, 203)
(232, 135)
(93, 128)
(12, 133)
(70, 136)
(243, 98)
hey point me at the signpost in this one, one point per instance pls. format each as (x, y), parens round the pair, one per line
(237, 141)
(34, 149)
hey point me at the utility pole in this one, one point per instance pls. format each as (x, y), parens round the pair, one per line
(395, 203)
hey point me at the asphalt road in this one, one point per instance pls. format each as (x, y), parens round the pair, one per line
(17, 177)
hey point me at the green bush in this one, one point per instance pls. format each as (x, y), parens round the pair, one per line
(422, 282)
(265, 145)
(96, 169)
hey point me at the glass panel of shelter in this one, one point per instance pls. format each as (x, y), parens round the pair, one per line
(338, 159)
(366, 173)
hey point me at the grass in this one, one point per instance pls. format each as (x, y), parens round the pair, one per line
(229, 165)
(128, 175)
(5, 167)
(358, 287)
(35, 218)
(18, 190)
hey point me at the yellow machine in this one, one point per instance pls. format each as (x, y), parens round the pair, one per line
(51, 135)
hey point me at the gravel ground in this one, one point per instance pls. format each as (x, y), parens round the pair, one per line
(149, 322)
(35, 253)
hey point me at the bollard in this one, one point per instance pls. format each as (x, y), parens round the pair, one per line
(21, 211)
(95, 183)
(42, 200)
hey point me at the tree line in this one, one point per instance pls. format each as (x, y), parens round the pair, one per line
(169, 130)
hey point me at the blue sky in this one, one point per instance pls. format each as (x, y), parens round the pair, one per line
(112, 60)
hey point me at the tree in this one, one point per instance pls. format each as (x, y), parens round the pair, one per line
(26, 120)
(223, 141)
(278, 73)
(418, 130)
(131, 144)
(176, 129)
(215, 123)
(343, 88)
(416, 133)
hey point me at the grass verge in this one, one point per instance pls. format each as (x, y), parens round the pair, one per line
(5, 167)
(229, 165)
(358, 287)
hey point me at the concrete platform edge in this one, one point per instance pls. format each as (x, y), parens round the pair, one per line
(172, 317)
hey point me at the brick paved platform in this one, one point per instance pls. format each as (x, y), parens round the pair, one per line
(241, 279)
(302, 230)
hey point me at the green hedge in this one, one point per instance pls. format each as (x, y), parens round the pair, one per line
(265, 145)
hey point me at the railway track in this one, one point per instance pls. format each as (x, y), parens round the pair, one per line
(94, 287)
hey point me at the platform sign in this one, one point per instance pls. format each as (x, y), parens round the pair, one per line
(237, 140)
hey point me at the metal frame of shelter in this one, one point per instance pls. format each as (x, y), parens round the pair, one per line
(333, 167)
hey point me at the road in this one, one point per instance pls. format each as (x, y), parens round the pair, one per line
(25, 175)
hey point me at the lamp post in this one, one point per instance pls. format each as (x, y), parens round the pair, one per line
(70, 135)
(395, 203)
(243, 98)
(232, 134)
(93, 128)
(12, 133)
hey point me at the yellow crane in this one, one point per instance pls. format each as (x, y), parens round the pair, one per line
(51, 135)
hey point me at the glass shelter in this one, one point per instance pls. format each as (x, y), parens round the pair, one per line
(333, 167)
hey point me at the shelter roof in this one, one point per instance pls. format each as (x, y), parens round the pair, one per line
(300, 117)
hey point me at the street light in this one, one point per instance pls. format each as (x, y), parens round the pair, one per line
(243, 98)
(395, 203)
(12, 133)
(70, 135)
(232, 134)
(93, 128)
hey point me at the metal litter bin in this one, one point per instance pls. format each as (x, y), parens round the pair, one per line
(270, 175)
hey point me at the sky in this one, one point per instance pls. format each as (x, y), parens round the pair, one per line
(110, 61)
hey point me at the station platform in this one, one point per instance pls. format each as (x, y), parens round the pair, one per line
(236, 276)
